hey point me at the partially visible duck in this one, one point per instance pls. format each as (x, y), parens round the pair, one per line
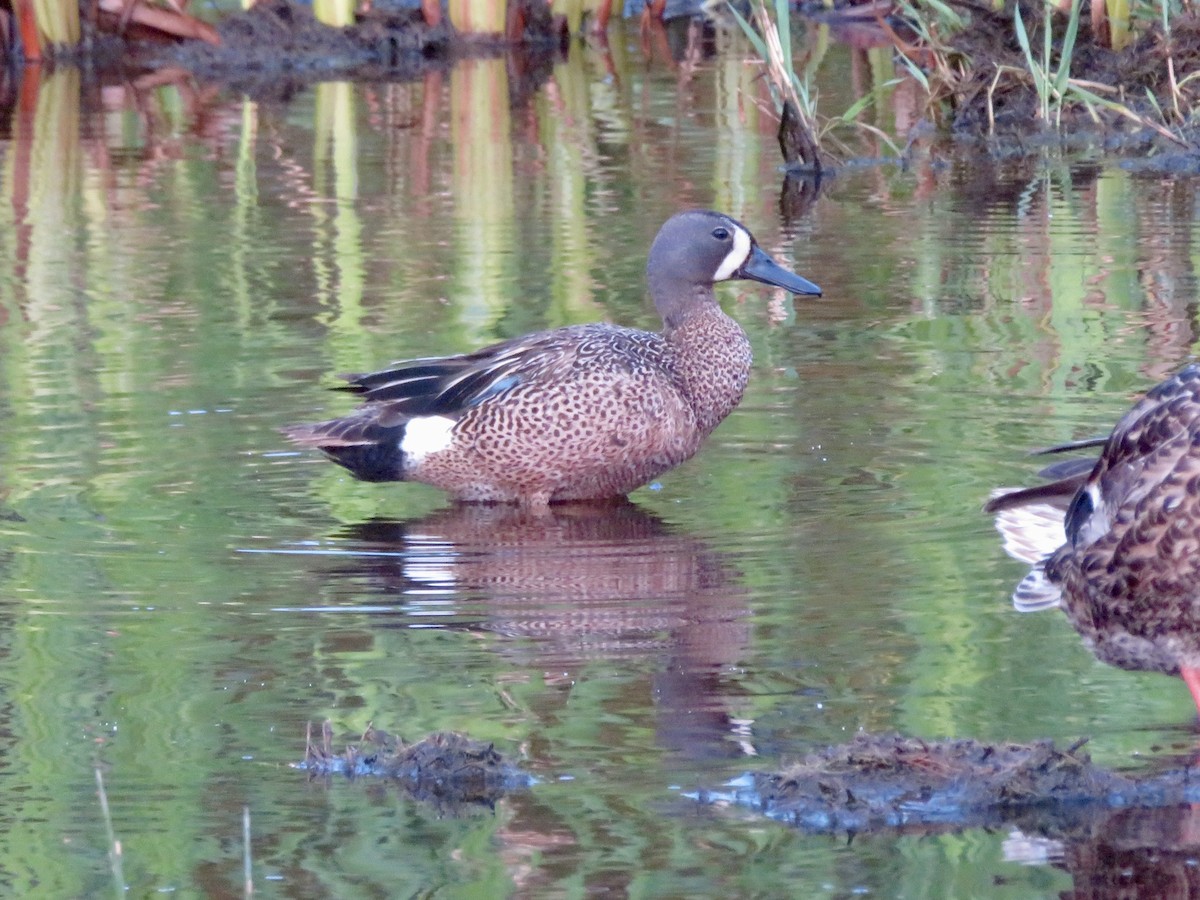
(1128, 572)
(584, 412)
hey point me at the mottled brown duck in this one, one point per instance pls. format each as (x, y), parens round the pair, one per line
(1128, 572)
(584, 412)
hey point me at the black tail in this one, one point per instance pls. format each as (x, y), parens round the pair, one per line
(369, 450)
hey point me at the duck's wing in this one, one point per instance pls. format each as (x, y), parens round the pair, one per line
(1030, 522)
(1082, 444)
(1146, 448)
(1068, 477)
(435, 392)
(1065, 478)
(418, 402)
(450, 385)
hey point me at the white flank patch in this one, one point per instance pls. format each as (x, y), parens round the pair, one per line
(737, 256)
(424, 435)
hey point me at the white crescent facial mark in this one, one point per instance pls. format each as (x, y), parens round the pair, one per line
(736, 257)
(425, 435)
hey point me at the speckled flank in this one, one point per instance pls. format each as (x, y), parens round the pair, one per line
(578, 413)
(620, 411)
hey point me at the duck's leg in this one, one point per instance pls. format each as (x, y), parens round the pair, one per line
(1191, 677)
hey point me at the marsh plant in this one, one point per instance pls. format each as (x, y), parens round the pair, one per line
(1051, 82)
(1023, 58)
(804, 133)
(794, 94)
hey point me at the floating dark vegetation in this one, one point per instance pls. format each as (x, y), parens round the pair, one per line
(448, 770)
(879, 782)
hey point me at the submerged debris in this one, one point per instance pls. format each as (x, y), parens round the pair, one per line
(891, 781)
(445, 768)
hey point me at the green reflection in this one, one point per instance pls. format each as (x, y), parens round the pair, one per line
(173, 293)
(482, 183)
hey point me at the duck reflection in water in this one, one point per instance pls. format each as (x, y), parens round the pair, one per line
(575, 584)
(1116, 541)
(1118, 853)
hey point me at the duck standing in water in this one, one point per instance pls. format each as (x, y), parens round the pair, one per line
(1128, 575)
(584, 412)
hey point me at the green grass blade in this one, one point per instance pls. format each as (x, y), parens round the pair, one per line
(760, 46)
(943, 13)
(915, 71)
(1023, 41)
(783, 23)
(1068, 50)
(1040, 79)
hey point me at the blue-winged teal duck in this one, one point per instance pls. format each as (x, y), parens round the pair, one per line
(1128, 573)
(583, 412)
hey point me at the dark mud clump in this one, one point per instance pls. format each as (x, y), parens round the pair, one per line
(889, 781)
(447, 769)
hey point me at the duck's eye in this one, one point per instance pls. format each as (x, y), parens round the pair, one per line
(721, 233)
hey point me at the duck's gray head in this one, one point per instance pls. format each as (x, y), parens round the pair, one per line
(699, 247)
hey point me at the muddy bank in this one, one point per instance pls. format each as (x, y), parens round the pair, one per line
(448, 770)
(982, 92)
(993, 88)
(277, 47)
(880, 782)
(982, 81)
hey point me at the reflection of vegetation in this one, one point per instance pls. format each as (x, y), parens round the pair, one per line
(478, 16)
(483, 189)
(335, 13)
(57, 21)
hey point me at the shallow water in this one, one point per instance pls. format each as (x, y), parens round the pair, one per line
(181, 592)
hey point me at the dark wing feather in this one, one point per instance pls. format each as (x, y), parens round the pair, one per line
(362, 427)
(1057, 492)
(412, 377)
(1143, 451)
(1139, 452)
(449, 385)
(1082, 444)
